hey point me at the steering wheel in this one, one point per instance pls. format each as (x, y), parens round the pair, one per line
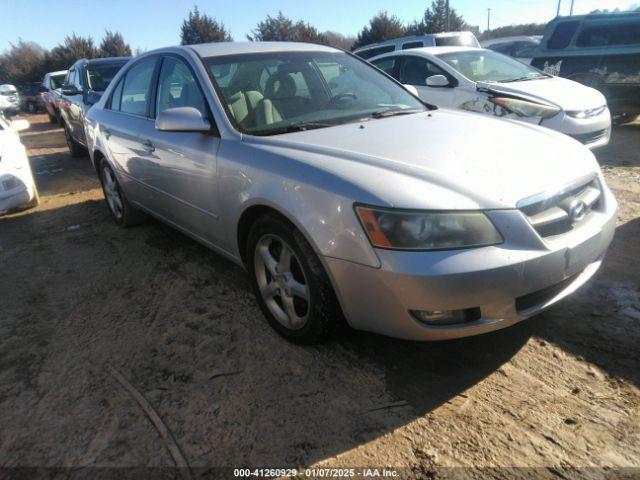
(334, 101)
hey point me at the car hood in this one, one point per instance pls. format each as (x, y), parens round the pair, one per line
(443, 159)
(566, 94)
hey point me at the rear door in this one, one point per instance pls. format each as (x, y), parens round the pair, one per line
(184, 171)
(126, 112)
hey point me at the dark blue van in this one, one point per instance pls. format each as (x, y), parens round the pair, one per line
(598, 50)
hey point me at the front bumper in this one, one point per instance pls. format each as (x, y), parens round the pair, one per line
(507, 282)
(592, 132)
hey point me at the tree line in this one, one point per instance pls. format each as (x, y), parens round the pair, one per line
(26, 62)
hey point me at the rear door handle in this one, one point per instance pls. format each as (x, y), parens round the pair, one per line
(148, 146)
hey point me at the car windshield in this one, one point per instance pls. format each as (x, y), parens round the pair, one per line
(57, 81)
(280, 92)
(100, 74)
(490, 66)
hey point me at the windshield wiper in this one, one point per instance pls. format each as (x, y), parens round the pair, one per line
(393, 113)
(523, 79)
(301, 127)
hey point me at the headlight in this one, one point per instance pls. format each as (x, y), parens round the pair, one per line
(582, 114)
(522, 108)
(407, 230)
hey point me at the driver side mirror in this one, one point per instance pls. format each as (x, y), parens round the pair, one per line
(182, 119)
(437, 81)
(70, 90)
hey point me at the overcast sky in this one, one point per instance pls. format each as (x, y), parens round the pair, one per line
(150, 24)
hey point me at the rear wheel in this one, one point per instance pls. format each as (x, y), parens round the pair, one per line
(290, 283)
(123, 213)
(75, 148)
(625, 118)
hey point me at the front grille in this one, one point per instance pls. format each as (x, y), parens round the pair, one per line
(591, 137)
(557, 214)
(540, 297)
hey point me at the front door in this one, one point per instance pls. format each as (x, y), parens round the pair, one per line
(414, 70)
(185, 169)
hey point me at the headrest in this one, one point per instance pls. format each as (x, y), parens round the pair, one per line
(280, 85)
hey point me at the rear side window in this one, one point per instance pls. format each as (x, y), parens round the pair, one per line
(116, 97)
(619, 33)
(562, 35)
(408, 45)
(373, 52)
(137, 87)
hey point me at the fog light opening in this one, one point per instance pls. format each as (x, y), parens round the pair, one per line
(446, 317)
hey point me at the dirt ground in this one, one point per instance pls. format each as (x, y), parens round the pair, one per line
(557, 396)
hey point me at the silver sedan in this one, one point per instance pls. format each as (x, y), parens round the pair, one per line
(344, 196)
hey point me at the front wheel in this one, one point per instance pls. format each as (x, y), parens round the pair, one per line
(290, 283)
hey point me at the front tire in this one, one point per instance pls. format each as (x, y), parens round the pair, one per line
(290, 284)
(122, 212)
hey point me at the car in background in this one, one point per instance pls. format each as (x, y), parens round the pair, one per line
(598, 50)
(444, 39)
(30, 99)
(17, 187)
(411, 221)
(484, 81)
(521, 48)
(83, 86)
(52, 83)
(9, 100)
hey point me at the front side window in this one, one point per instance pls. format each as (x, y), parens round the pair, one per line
(489, 66)
(387, 65)
(305, 90)
(416, 70)
(137, 87)
(612, 34)
(562, 35)
(71, 77)
(178, 88)
(99, 75)
(56, 81)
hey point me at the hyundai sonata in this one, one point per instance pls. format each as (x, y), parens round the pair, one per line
(350, 199)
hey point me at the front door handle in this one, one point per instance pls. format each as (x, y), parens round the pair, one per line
(148, 146)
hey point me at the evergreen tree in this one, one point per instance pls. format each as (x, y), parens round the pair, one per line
(201, 28)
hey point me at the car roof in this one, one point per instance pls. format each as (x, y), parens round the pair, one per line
(409, 38)
(428, 51)
(97, 61)
(234, 48)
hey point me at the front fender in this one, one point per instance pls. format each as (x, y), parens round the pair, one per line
(318, 203)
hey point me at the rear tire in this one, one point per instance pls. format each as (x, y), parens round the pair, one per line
(290, 284)
(75, 148)
(122, 212)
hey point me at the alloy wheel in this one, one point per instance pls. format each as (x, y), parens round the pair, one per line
(282, 282)
(112, 192)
